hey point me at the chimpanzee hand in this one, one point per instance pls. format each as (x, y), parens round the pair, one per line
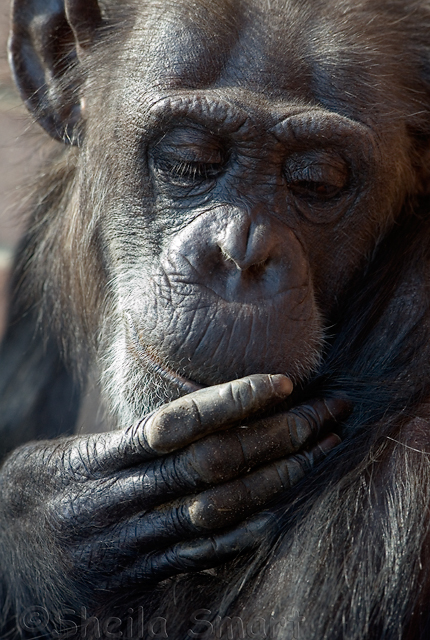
(166, 495)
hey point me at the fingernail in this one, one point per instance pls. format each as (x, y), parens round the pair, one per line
(329, 443)
(281, 384)
(338, 408)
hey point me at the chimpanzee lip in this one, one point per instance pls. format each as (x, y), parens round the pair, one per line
(146, 355)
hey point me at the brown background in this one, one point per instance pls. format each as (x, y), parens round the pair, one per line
(20, 151)
(23, 147)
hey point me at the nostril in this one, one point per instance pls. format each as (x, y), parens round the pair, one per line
(247, 242)
(259, 266)
(245, 263)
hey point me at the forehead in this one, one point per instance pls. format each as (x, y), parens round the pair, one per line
(215, 43)
(265, 42)
(347, 56)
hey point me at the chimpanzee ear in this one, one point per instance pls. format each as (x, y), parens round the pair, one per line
(48, 38)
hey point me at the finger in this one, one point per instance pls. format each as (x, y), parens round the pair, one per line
(223, 456)
(226, 455)
(233, 501)
(219, 507)
(194, 416)
(197, 554)
(214, 509)
(213, 460)
(178, 423)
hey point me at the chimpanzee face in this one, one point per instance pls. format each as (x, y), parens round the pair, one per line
(230, 184)
(239, 203)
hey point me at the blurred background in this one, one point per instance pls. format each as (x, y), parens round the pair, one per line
(21, 149)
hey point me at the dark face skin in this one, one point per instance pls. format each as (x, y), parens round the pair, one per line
(237, 166)
(248, 204)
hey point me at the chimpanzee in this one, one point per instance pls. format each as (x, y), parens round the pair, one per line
(233, 237)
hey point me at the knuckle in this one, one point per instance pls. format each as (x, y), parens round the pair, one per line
(220, 506)
(230, 394)
(194, 552)
(305, 461)
(305, 420)
(241, 394)
(294, 469)
(203, 513)
(245, 392)
(172, 426)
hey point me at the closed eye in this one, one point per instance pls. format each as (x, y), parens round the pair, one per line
(188, 156)
(190, 172)
(316, 176)
(314, 189)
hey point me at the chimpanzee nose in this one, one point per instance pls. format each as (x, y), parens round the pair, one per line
(240, 254)
(247, 241)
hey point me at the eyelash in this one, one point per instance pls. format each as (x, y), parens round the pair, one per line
(314, 189)
(196, 171)
(192, 171)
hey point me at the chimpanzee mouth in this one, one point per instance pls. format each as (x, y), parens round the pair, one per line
(147, 356)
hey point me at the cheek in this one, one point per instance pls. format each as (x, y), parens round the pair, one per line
(337, 253)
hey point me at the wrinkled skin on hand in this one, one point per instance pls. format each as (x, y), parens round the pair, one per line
(175, 492)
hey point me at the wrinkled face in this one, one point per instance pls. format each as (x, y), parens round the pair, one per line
(237, 205)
